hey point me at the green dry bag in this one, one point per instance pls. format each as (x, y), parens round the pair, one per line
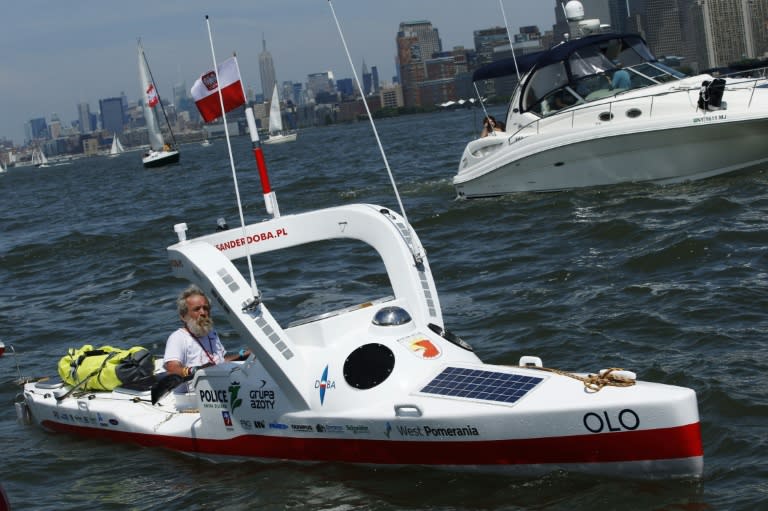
(106, 367)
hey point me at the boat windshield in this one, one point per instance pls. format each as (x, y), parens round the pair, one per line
(594, 71)
(588, 61)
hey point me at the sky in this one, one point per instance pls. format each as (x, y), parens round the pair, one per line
(58, 54)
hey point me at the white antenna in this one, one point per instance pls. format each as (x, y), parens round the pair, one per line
(509, 36)
(254, 289)
(368, 111)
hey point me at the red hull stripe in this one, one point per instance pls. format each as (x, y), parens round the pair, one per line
(654, 444)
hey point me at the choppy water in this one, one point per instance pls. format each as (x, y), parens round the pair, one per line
(670, 282)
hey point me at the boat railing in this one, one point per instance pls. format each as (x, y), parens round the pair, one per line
(647, 106)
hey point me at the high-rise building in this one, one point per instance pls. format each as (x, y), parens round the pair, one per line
(367, 81)
(346, 87)
(664, 28)
(54, 127)
(180, 93)
(375, 78)
(298, 94)
(112, 115)
(267, 71)
(36, 129)
(416, 42)
(318, 83)
(84, 117)
(487, 40)
(734, 29)
(391, 97)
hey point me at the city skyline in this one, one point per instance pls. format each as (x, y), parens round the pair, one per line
(59, 60)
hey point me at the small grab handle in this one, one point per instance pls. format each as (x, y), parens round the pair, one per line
(407, 411)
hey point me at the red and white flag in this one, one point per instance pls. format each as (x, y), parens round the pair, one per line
(152, 97)
(205, 91)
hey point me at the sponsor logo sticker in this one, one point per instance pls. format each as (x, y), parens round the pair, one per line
(421, 347)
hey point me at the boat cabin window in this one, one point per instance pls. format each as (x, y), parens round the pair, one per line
(544, 81)
(556, 101)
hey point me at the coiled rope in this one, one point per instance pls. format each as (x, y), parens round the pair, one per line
(593, 382)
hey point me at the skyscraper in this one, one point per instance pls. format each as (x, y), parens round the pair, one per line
(416, 42)
(36, 129)
(375, 78)
(734, 29)
(267, 71)
(54, 127)
(84, 117)
(112, 114)
(318, 83)
(486, 42)
(367, 81)
(665, 34)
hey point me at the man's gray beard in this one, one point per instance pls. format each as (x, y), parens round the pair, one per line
(201, 327)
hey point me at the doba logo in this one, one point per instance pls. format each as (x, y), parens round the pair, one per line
(234, 401)
(324, 384)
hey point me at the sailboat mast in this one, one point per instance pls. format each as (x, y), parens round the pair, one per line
(159, 97)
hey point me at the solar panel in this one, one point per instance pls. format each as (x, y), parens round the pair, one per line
(462, 382)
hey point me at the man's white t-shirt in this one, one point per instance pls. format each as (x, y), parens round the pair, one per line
(190, 351)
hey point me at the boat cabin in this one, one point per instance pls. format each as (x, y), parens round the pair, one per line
(580, 71)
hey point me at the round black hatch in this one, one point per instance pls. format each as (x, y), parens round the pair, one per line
(368, 366)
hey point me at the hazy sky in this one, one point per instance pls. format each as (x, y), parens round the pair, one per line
(57, 54)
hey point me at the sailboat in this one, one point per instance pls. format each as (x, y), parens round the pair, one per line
(276, 133)
(160, 153)
(117, 148)
(38, 158)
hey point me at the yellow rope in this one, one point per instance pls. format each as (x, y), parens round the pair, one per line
(592, 382)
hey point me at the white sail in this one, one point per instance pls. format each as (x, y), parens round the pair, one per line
(117, 147)
(149, 93)
(275, 118)
(38, 158)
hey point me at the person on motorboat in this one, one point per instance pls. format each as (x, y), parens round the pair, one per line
(196, 343)
(490, 124)
(620, 78)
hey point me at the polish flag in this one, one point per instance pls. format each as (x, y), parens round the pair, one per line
(152, 97)
(205, 91)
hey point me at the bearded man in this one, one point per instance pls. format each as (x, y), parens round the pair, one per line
(196, 343)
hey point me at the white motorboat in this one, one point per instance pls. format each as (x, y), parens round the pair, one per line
(571, 124)
(380, 382)
(276, 133)
(160, 152)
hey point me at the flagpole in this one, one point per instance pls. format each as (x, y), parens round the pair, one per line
(270, 199)
(254, 289)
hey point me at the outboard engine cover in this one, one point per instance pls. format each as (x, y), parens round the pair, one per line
(711, 94)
